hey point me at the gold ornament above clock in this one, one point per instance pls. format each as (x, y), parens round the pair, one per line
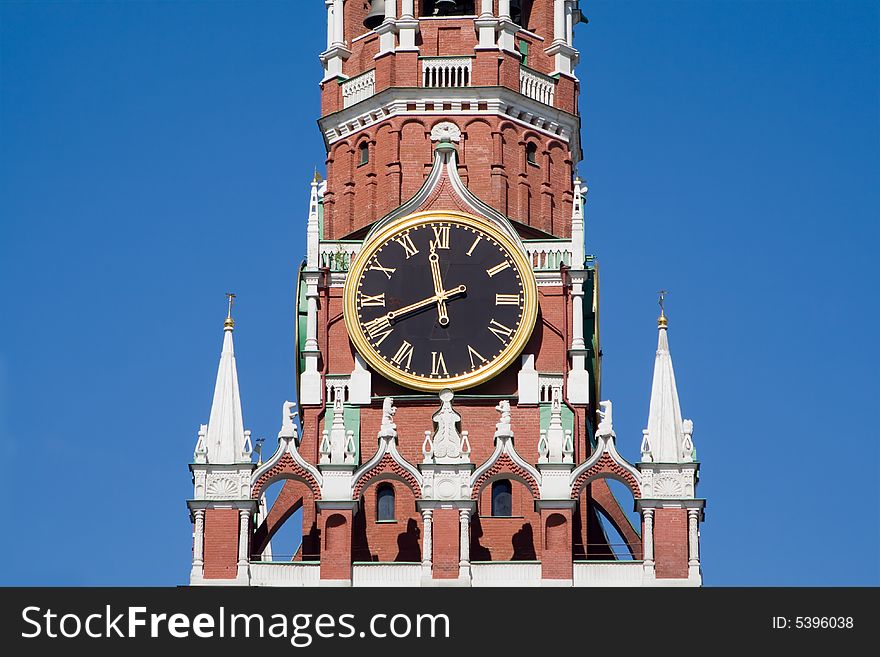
(440, 300)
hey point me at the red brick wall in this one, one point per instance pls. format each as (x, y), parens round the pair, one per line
(221, 543)
(492, 163)
(400, 540)
(556, 557)
(445, 542)
(336, 544)
(517, 538)
(670, 543)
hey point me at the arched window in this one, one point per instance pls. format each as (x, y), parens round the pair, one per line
(385, 503)
(502, 499)
(532, 153)
(364, 150)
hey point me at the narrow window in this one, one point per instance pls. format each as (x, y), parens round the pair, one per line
(532, 153)
(501, 499)
(385, 503)
(524, 52)
(364, 149)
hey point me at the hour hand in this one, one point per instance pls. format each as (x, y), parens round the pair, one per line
(434, 259)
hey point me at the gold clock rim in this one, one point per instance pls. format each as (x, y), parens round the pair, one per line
(464, 381)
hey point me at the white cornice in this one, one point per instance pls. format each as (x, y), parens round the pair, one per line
(500, 101)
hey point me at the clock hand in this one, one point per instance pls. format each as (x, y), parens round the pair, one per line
(394, 315)
(434, 259)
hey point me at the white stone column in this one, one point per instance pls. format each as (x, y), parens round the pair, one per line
(310, 381)
(693, 538)
(331, 23)
(503, 9)
(427, 541)
(648, 539)
(244, 516)
(569, 22)
(198, 564)
(464, 544)
(407, 27)
(558, 21)
(338, 25)
(387, 28)
(578, 384)
(577, 320)
(407, 8)
(486, 24)
(486, 8)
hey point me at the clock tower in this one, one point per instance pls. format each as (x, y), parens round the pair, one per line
(449, 428)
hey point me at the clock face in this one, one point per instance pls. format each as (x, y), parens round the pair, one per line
(440, 300)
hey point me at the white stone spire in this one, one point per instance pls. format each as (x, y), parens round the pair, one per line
(226, 440)
(667, 438)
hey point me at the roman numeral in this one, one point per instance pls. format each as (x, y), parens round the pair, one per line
(377, 300)
(497, 268)
(441, 237)
(474, 245)
(386, 270)
(506, 299)
(473, 353)
(378, 328)
(406, 242)
(405, 352)
(437, 362)
(500, 330)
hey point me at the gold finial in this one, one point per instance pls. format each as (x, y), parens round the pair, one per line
(229, 323)
(661, 321)
(317, 177)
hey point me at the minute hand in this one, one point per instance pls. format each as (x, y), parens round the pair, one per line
(424, 303)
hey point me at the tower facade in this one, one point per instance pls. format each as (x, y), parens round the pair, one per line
(448, 428)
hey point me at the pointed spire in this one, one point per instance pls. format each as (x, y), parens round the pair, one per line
(226, 440)
(667, 438)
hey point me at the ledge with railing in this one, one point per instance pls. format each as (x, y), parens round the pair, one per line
(336, 255)
(548, 255)
(440, 72)
(358, 88)
(536, 85)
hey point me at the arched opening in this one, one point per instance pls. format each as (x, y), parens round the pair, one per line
(334, 533)
(606, 528)
(532, 153)
(285, 527)
(502, 499)
(385, 503)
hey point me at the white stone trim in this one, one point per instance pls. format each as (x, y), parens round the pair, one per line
(387, 445)
(504, 445)
(286, 445)
(500, 101)
(606, 445)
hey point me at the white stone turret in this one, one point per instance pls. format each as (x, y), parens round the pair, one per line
(226, 440)
(667, 438)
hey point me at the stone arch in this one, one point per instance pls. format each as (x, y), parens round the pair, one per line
(605, 466)
(387, 468)
(505, 468)
(285, 468)
(294, 495)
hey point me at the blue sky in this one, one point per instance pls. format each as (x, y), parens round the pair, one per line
(154, 155)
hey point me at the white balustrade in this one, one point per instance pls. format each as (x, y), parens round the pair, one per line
(358, 88)
(536, 86)
(386, 574)
(446, 72)
(505, 573)
(337, 256)
(548, 255)
(288, 573)
(608, 573)
(546, 383)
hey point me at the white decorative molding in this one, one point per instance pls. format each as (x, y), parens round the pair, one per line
(528, 381)
(605, 438)
(287, 438)
(442, 72)
(497, 101)
(537, 86)
(547, 384)
(222, 486)
(446, 131)
(358, 88)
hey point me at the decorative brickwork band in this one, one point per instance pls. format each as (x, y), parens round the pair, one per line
(606, 467)
(286, 468)
(506, 465)
(386, 466)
